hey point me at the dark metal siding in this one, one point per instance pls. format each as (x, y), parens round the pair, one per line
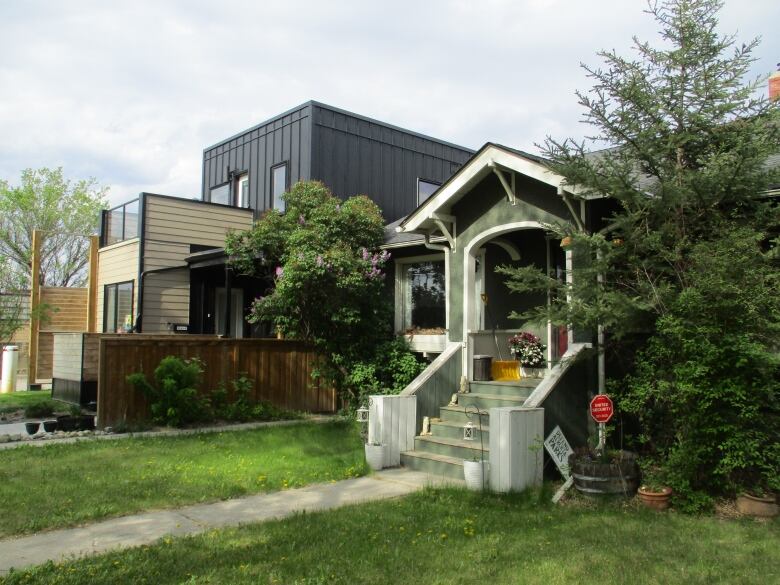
(355, 155)
(286, 138)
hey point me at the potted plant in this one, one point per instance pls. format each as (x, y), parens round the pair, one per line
(610, 473)
(528, 349)
(32, 427)
(760, 502)
(475, 473)
(50, 426)
(375, 455)
(654, 493)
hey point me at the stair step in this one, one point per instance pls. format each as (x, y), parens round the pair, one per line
(488, 401)
(434, 464)
(457, 448)
(515, 387)
(455, 414)
(454, 430)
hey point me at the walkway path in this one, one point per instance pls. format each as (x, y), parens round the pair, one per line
(128, 531)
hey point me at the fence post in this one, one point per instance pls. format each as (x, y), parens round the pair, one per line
(391, 422)
(516, 448)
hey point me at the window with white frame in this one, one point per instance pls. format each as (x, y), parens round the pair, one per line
(278, 186)
(242, 190)
(421, 295)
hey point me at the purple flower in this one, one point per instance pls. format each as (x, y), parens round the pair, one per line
(301, 220)
(319, 261)
(366, 255)
(279, 272)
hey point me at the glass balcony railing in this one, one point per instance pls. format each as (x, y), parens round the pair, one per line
(120, 223)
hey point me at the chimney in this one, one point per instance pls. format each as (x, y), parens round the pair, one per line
(774, 84)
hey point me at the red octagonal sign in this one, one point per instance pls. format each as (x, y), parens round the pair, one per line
(601, 408)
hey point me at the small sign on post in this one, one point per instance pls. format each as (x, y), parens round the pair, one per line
(559, 449)
(601, 410)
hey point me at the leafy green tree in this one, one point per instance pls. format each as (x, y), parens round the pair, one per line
(685, 167)
(328, 284)
(12, 302)
(65, 213)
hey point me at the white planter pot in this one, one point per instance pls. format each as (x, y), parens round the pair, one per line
(475, 474)
(375, 456)
(529, 372)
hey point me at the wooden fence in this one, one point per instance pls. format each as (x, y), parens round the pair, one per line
(280, 371)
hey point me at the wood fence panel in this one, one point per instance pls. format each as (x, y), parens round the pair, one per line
(280, 371)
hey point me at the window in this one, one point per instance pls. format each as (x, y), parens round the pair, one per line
(278, 185)
(220, 194)
(425, 189)
(118, 307)
(423, 302)
(242, 190)
(120, 223)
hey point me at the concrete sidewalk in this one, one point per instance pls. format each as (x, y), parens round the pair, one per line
(128, 531)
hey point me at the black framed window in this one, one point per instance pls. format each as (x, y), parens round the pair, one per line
(425, 189)
(120, 223)
(118, 307)
(278, 185)
(220, 194)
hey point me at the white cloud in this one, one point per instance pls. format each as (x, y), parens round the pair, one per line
(131, 92)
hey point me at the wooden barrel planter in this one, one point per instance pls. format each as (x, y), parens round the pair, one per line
(618, 476)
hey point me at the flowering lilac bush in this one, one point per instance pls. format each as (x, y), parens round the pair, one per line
(528, 349)
(327, 281)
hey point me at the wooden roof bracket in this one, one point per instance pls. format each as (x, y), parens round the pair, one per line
(439, 219)
(510, 189)
(574, 214)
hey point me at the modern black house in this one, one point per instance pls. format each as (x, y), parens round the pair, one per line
(161, 264)
(351, 154)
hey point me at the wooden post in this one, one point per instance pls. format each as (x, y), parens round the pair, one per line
(35, 299)
(94, 243)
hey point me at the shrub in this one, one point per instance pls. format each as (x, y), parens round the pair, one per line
(174, 399)
(41, 409)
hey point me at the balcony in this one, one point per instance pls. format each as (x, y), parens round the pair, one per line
(119, 224)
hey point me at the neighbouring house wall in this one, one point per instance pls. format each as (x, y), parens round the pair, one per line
(355, 155)
(117, 263)
(286, 138)
(171, 227)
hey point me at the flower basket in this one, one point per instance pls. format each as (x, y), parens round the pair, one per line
(528, 349)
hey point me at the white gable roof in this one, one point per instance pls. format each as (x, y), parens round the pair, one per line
(477, 168)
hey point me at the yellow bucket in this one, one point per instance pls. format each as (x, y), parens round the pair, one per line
(503, 371)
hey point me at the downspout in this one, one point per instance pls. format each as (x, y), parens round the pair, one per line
(437, 247)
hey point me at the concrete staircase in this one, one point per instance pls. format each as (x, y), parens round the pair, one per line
(443, 451)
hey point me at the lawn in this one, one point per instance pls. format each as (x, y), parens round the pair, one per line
(61, 485)
(447, 537)
(17, 400)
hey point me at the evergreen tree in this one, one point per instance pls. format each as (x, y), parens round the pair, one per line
(688, 142)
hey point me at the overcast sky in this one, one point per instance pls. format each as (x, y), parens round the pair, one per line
(131, 92)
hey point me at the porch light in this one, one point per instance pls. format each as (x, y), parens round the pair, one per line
(468, 431)
(362, 414)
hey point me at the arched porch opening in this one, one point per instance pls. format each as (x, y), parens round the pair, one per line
(487, 301)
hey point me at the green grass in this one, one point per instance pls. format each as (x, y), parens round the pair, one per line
(448, 537)
(61, 485)
(16, 400)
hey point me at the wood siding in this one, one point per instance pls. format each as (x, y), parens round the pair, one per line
(117, 263)
(68, 313)
(171, 227)
(280, 371)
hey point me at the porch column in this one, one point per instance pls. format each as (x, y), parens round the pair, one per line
(228, 299)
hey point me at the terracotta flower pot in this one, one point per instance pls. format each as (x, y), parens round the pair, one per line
(756, 506)
(658, 500)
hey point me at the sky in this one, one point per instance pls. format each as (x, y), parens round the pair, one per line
(132, 92)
